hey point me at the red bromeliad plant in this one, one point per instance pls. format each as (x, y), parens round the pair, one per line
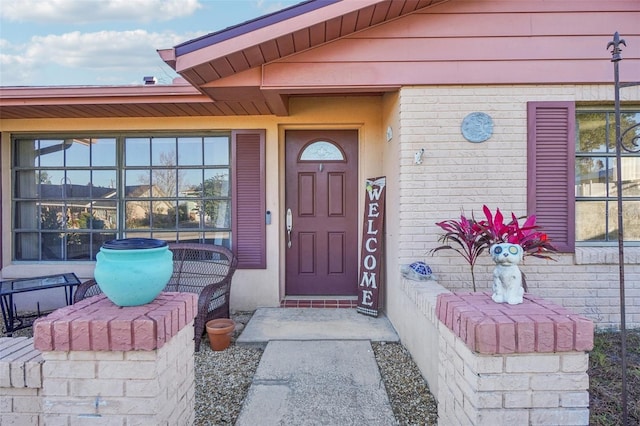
(471, 237)
(467, 235)
(533, 242)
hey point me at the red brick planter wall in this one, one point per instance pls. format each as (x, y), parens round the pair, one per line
(536, 325)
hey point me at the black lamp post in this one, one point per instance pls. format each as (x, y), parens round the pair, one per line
(616, 57)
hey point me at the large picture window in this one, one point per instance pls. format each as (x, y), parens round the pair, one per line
(596, 187)
(73, 192)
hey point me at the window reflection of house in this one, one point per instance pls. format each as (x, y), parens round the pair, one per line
(213, 208)
(595, 182)
(142, 209)
(81, 199)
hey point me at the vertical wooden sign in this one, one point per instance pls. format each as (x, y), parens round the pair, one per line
(371, 253)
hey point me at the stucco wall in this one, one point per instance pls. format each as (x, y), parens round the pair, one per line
(458, 175)
(391, 163)
(251, 288)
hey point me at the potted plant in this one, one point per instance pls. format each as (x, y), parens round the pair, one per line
(470, 237)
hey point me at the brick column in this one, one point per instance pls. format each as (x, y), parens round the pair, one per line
(20, 382)
(119, 365)
(512, 364)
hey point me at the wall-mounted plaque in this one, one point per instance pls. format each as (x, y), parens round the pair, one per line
(477, 127)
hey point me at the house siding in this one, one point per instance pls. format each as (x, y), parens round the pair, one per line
(473, 42)
(457, 175)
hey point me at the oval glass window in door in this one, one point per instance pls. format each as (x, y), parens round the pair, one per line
(321, 151)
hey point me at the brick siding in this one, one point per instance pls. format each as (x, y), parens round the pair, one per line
(457, 175)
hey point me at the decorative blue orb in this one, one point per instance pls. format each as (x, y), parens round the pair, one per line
(421, 268)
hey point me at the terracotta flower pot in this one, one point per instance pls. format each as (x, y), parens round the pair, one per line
(220, 331)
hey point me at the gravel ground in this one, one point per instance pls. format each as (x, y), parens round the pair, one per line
(411, 400)
(223, 379)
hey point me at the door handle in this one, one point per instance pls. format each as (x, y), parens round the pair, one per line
(289, 227)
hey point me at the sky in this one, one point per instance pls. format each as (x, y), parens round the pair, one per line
(107, 42)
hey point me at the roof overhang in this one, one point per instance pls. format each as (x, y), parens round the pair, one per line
(105, 101)
(227, 63)
(225, 69)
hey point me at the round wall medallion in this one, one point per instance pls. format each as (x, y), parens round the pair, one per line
(477, 127)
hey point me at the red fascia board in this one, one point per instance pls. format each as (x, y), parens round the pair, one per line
(74, 95)
(168, 56)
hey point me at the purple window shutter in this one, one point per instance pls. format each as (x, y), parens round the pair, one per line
(551, 132)
(248, 198)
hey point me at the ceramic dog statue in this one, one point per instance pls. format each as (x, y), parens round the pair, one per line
(507, 278)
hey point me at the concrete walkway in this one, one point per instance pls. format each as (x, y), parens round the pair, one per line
(318, 368)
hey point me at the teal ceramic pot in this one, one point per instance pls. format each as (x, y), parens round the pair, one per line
(133, 271)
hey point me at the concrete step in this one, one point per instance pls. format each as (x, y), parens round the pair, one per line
(269, 324)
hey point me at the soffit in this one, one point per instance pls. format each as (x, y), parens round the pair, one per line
(114, 102)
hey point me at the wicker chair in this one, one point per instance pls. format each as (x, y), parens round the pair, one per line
(204, 269)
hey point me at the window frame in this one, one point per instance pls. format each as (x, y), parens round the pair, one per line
(120, 230)
(610, 154)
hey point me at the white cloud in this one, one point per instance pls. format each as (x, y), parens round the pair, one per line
(101, 53)
(102, 49)
(84, 11)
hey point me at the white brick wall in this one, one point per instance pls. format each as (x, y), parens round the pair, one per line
(517, 389)
(20, 383)
(20, 406)
(474, 389)
(139, 387)
(457, 175)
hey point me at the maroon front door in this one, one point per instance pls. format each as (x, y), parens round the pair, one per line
(322, 226)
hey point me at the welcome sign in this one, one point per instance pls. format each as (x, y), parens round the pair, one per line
(371, 252)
